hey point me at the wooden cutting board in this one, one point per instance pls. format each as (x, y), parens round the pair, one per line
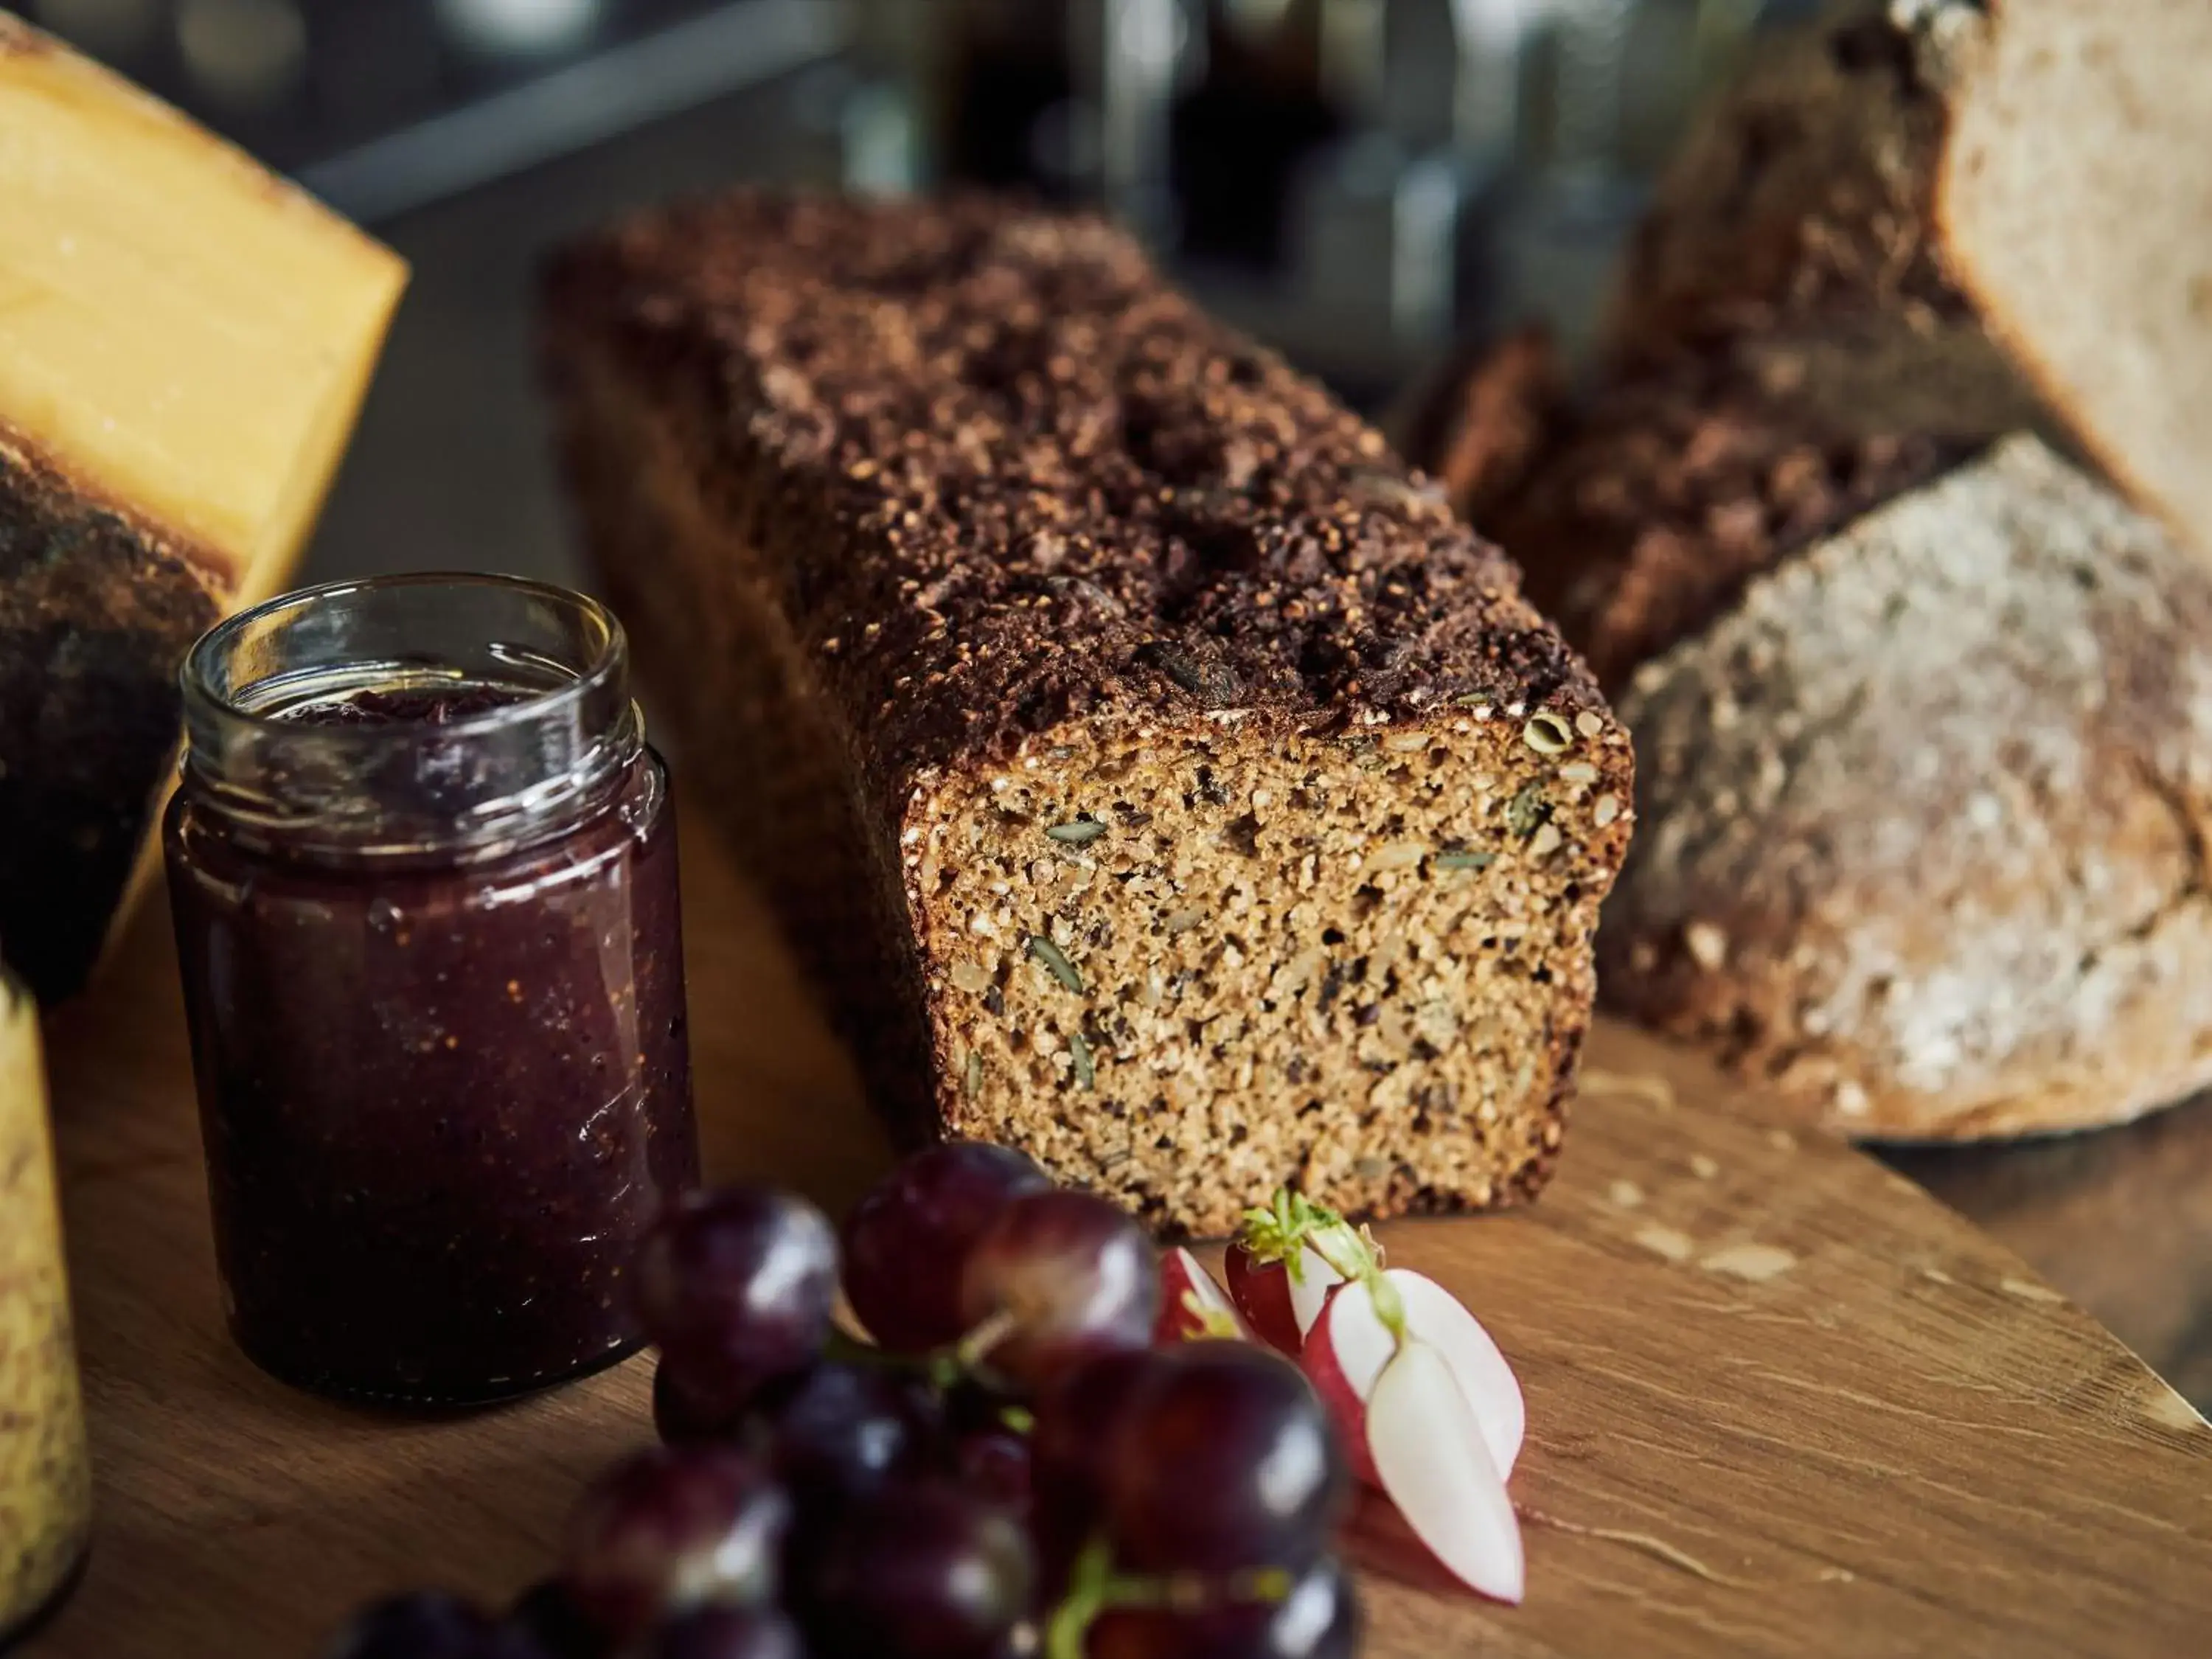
(1780, 1401)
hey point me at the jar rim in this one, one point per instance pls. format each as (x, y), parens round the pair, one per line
(481, 781)
(607, 664)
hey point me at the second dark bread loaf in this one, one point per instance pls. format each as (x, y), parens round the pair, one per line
(1151, 773)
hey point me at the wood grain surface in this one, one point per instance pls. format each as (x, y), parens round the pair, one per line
(1780, 1400)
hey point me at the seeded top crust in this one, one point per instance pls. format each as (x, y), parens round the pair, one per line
(1151, 771)
(1076, 488)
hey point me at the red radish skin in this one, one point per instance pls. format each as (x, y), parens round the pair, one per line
(1311, 1290)
(1280, 1309)
(1261, 1291)
(1193, 1307)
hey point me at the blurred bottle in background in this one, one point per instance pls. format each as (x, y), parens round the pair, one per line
(1361, 180)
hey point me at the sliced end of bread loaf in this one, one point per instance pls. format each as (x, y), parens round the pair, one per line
(1236, 955)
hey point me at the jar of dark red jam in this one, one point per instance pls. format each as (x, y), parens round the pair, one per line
(423, 868)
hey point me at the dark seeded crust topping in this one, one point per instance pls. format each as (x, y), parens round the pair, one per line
(1644, 523)
(1496, 410)
(1076, 491)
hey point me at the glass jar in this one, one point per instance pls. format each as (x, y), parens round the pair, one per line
(422, 869)
(45, 1485)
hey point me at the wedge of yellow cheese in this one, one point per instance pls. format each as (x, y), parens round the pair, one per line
(185, 340)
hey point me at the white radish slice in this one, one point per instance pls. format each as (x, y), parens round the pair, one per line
(1347, 1402)
(1361, 1346)
(1311, 1290)
(1192, 1306)
(1434, 1465)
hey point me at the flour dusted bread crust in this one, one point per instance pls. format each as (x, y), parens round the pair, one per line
(1999, 211)
(1926, 813)
(1150, 771)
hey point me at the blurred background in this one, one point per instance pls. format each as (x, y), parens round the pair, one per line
(1357, 181)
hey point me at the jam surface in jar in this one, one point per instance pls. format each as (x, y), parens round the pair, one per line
(444, 1088)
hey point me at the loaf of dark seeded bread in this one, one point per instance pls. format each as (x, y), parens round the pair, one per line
(1151, 772)
(1647, 514)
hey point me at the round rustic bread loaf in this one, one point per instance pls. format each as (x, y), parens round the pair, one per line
(1925, 816)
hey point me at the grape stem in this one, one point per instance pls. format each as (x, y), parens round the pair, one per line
(1095, 1587)
(944, 1370)
(974, 1347)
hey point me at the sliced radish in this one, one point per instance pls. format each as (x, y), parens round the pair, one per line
(1434, 1464)
(1357, 1345)
(1346, 1400)
(1193, 1307)
(1280, 1308)
(1261, 1291)
(1310, 1289)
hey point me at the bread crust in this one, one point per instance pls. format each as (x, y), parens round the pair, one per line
(1958, 190)
(1926, 816)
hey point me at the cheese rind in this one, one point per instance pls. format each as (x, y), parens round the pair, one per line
(185, 340)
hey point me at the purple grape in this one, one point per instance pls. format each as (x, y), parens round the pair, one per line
(920, 1572)
(728, 1633)
(419, 1625)
(547, 1614)
(1318, 1619)
(672, 1528)
(993, 1463)
(511, 1642)
(737, 1285)
(907, 1240)
(1074, 1274)
(685, 1414)
(1076, 1419)
(843, 1430)
(1223, 1459)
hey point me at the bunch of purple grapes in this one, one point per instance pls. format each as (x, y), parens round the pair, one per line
(1013, 1467)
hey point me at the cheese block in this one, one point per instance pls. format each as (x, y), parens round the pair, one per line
(183, 344)
(1989, 214)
